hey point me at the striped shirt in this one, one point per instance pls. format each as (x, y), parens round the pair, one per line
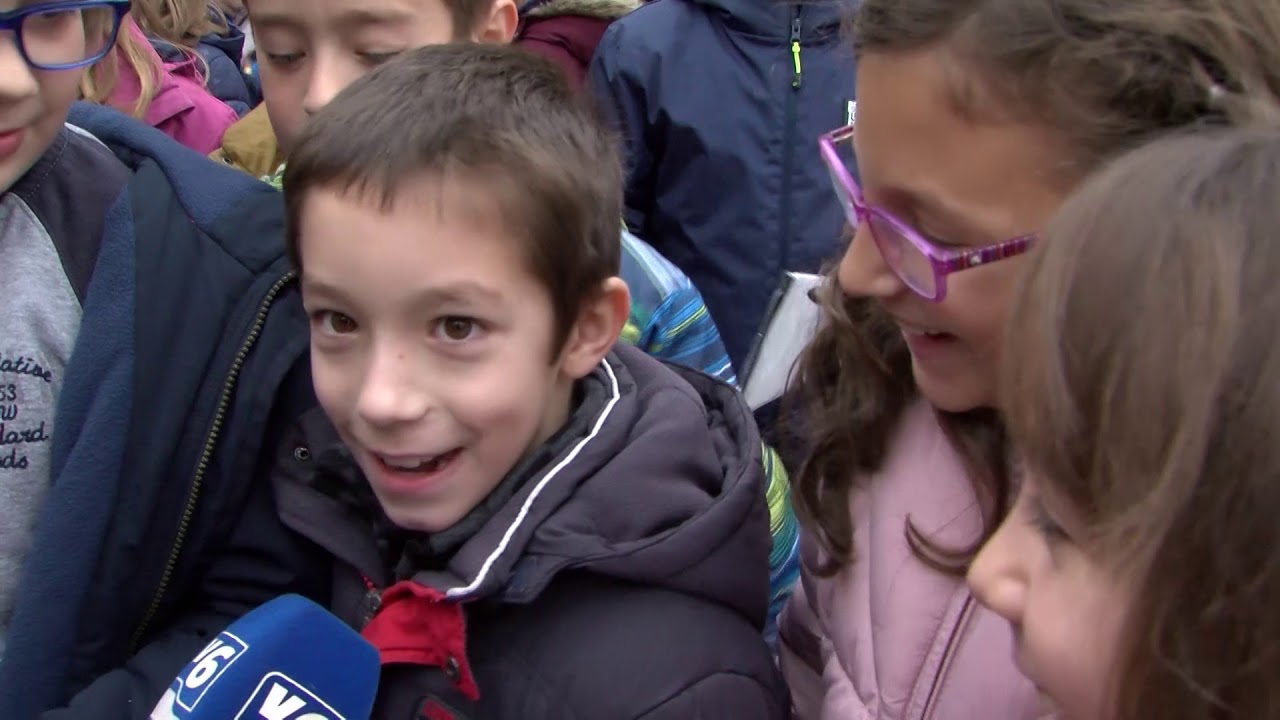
(668, 318)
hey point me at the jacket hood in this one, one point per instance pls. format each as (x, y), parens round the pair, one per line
(230, 44)
(819, 20)
(597, 9)
(657, 480)
(208, 195)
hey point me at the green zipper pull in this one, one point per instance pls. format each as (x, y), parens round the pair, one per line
(795, 50)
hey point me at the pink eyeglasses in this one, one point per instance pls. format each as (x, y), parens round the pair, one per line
(919, 263)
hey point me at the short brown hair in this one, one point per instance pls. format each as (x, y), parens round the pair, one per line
(1104, 76)
(1142, 385)
(497, 116)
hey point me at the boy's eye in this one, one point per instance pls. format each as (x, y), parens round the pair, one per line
(282, 59)
(378, 58)
(334, 322)
(456, 329)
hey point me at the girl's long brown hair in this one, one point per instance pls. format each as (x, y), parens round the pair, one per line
(1106, 76)
(1143, 387)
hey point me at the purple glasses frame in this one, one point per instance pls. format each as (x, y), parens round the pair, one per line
(942, 261)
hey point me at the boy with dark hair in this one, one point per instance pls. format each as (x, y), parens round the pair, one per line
(563, 529)
(310, 50)
(145, 336)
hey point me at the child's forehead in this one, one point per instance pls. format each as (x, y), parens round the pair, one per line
(350, 15)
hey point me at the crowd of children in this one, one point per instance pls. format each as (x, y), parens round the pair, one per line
(410, 321)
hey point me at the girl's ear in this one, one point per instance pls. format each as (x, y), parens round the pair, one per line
(597, 328)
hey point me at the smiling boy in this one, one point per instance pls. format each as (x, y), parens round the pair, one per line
(309, 50)
(549, 514)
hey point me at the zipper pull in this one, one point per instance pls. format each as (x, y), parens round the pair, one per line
(371, 603)
(795, 50)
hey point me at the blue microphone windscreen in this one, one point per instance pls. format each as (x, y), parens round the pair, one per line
(289, 659)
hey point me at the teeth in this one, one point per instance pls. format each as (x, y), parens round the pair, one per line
(421, 463)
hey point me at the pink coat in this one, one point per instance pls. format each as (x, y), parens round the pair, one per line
(182, 108)
(888, 638)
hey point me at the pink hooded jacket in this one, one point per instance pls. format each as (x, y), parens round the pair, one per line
(889, 638)
(182, 108)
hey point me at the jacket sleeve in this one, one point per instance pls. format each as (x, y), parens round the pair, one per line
(682, 331)
(615, 79)
(784, 559)
(723, 696)
(260, 561)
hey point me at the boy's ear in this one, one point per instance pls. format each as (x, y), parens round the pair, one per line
(599, 324)
(499, 28)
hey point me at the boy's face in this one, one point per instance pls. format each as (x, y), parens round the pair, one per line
(309, 50)
(431, 344)
(34, 103)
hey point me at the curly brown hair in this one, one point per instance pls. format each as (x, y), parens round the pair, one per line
(1142, 386)
(1106, 76)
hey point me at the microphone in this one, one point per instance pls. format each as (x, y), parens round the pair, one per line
(289, 659)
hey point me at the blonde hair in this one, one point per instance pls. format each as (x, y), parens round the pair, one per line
(180, 23)
(99, 84)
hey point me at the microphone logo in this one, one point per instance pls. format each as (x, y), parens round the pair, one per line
(279, 697)
(206, 668)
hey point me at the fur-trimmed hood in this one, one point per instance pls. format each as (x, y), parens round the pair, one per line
(566, 32)
(598, 9)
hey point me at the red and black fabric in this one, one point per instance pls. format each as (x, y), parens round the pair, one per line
(421, 637)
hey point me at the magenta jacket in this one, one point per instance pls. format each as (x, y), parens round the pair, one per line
(182, 108)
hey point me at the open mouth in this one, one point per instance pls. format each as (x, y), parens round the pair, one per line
(418, 465)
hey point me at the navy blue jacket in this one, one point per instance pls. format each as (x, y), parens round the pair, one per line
(723, 172)
(160, 526)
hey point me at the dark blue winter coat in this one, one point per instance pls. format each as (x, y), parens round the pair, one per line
(721, 103)
(160, 526)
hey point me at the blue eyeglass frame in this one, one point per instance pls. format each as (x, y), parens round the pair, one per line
(11, 21)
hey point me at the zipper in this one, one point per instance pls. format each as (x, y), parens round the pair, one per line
(948, 656)
(206, 456)
(371, 603)
(788, 149)
(795, 50)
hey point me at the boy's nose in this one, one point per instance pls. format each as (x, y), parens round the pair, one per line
(17, 79)
(328, 78)
(391, 393)
(863, 271)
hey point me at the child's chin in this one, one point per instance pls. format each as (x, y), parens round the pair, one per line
(417, 519)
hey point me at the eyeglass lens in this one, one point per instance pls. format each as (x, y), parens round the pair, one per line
(58, 37)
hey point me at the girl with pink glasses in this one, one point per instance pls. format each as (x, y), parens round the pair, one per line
(975, 120)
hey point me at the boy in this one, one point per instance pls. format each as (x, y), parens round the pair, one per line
(309, 50)
(144, 333)
(566, 530)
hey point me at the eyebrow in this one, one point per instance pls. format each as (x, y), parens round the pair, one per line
(456, 293)
(355, 17)
(952, 216)
(364, 16)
